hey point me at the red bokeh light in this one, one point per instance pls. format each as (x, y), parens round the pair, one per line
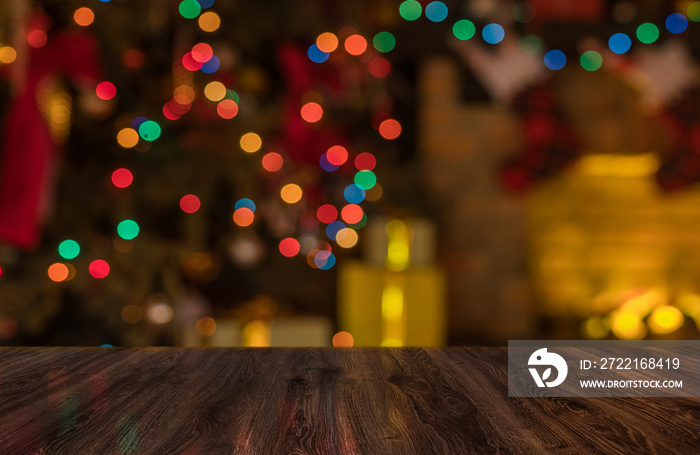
(122, 178)
(190, 203)
(327, 213)
(289, 247)
(99, 268)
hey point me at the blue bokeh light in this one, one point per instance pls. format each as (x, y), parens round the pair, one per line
(493, 33)
(619, 43)
(555, 59)
(436, 11)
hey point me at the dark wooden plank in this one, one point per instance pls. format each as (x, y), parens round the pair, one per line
(164, 401)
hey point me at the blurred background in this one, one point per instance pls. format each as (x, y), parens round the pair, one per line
(317, 173)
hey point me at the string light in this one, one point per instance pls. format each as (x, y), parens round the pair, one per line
(251, 142)
(209, 21)
(83, 16)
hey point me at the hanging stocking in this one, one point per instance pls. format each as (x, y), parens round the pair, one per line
(28, 152)
(550, 141)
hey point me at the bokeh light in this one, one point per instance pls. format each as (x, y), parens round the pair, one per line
(384, 42)
(122, 178)
(83, 16)
(215, 91)
(211, 66)
(272, 162)
(343, 340)
(69, 249)
(37, 38)
(105, 90)
(206, 3)
(493, 33)
(58, 272)
(189, 9)
(595, 328)
(647, 33)
(360, 224)
(289, 247)
(325, 164)
(333, 228)
(390, 129)
(160, 313)
(316, 55)
(251, 142)
(355, 44)
(227, 109)
(365, 179)
(693, 11)
(379, 67)
(190, 203)
(619, 43)
(245, 203)
(352, 213)
(354, 194)
(463, 29)
(128, 229)
(627, 325)
(327, 213)
(205, 326)
(676, 23)
(291, 193)
(209, 21)
(346, 237)
(311, 112)
(591, 60)
(436, 11)
(337, 155)
(99, 269)
(530, 44)
(327, 42)
(324, 260)
(189, 63)
(375, 193)
(243, 217)
(555, 59)
(202, 52)
(665, 319)
(149, 130)
(410, 10)
(365, 161)
(128, 137)
(8, 54)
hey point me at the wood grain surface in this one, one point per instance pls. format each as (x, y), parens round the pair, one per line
(169, 401)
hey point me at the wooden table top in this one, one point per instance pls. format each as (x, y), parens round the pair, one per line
(171, 401)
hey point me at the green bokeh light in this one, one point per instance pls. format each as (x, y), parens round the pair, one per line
(530, 44)
(362, 223)
(149, 130)
(694, 11)
(233, 95)
(384, 42)
(365, 179)
(463, 29)
(69, 249)
(128, 229)
(410, 10)
(647, 33)
(591, 60)
(189, 9)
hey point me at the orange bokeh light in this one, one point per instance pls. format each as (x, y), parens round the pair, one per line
(311, 112)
